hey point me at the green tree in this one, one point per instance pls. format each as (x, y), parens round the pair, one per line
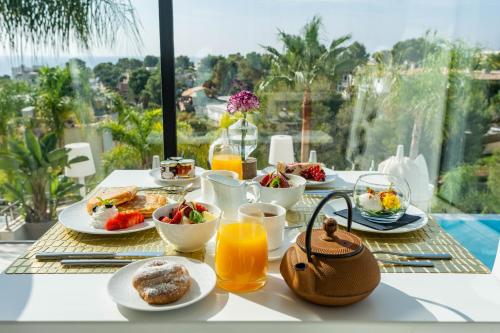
(140, 131)
(53, 98)
(107, 74)
(153, 86)
(303, 62)
(137, 81)
(14, 95)
(151, 61)
(36, 166)
(127, 65)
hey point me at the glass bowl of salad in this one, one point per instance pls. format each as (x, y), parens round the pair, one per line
(187, 225)
(381, 198)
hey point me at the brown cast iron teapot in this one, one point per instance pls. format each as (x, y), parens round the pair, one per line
(330, 266)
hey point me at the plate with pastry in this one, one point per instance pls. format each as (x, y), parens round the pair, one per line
(113, 210)
(315, 174)
(161, 284)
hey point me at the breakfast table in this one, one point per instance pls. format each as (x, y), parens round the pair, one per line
(46, 298)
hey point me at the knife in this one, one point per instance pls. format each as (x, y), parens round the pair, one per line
(95, 262)
(95, 255)
(442, 256)
(407, 263)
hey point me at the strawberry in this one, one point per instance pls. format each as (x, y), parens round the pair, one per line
(177, 218)
(165, 219)
(124, 220)
(266, 179)
(200, 208)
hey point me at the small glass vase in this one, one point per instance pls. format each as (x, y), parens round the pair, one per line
(244, 134)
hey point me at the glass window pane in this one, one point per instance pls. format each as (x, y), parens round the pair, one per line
(351, 81)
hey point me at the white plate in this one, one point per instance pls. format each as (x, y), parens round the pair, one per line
(330, 177)
(155, 173)
(75, 217)
(339, 204)
(123, 293)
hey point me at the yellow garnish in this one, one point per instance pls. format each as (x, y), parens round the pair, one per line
(207, 217)
(391, 201)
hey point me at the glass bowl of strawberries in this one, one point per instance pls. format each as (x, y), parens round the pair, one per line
(187, 225)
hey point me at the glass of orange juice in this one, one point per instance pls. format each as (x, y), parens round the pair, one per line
(227, 157)
(241, 255)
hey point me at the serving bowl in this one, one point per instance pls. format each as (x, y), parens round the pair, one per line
(381, 198)
(286, 197)
(186, 237)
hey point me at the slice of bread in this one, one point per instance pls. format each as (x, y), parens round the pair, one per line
(146, 204)
(117, 195)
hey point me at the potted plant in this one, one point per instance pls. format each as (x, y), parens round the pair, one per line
(38, 185)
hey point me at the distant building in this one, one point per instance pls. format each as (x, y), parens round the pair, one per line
(25, 73)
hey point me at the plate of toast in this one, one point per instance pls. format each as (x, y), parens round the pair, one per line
(113, 210)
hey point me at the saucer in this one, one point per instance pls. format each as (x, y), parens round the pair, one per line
(289, 240)
(155, 173)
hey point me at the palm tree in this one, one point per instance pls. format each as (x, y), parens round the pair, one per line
(139, 130)
(303, 62)
(53, 99)
(56, 23)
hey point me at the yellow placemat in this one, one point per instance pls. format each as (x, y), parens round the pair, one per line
(430, 239)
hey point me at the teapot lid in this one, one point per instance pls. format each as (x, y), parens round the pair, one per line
(331, 242)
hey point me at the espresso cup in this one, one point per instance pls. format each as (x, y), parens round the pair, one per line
(207, 191)
(273, 218)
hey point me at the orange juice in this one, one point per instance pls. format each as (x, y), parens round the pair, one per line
(227, 162)
(241, 256)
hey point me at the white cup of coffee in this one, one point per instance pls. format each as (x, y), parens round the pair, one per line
(273, 218)
(207, 191)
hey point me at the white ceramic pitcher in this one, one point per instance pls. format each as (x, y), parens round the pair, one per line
(230, 194)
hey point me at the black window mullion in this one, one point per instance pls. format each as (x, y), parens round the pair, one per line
(167, 59)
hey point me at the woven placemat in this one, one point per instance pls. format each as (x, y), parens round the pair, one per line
(430, 239)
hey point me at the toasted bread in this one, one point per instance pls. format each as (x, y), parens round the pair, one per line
(146, 204)
(117, 195)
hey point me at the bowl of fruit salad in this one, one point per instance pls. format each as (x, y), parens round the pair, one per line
(280, 188)
(381, 197)
(187, 225)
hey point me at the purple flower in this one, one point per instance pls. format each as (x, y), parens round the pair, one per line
(243, 101)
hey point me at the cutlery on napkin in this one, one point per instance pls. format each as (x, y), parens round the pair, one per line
(95, 255)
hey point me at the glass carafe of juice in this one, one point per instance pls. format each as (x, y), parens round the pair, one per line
(241, 255)
(227, 156)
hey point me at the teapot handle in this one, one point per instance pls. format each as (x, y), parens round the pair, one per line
(316, 213)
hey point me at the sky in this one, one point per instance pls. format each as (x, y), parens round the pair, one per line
(204, 27)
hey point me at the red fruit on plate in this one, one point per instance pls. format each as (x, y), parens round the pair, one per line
(200, 208)
(124, 220)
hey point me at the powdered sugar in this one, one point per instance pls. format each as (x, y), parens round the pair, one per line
(160, 277)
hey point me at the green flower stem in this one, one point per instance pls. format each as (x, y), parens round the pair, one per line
(243, 135)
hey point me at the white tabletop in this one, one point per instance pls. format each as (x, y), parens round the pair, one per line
(436, 302)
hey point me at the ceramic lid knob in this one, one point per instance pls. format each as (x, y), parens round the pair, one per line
(330, 226)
